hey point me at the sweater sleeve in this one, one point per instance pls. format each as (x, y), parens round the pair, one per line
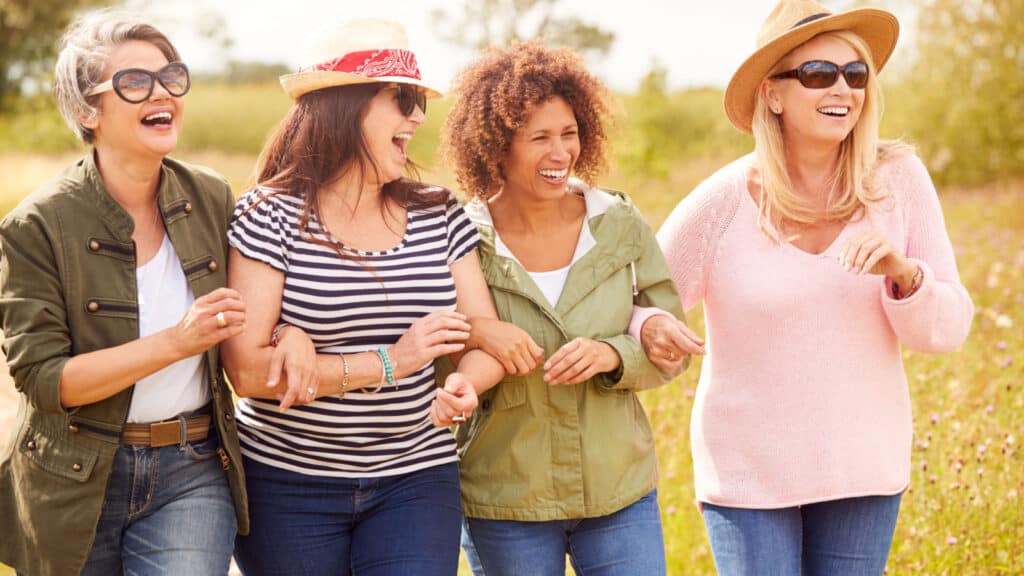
(936, 318)
(690, 234)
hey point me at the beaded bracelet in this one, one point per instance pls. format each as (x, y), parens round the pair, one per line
(275, 336)
(388, 369)
(344, 375)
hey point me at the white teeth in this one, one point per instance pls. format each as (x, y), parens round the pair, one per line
(159, 116)
(403, 137)
(554, 173)
(834, 110)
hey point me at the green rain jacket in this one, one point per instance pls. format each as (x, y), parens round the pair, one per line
(67, 286)
(535, 452)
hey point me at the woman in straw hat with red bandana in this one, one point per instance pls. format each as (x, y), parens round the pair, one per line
(816, 257)
(355, 280)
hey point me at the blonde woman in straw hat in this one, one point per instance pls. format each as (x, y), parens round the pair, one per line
(356, 279)
(816, 257)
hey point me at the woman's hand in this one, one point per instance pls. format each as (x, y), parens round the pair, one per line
(667, 341)
(455, 402)
(295, 354)
(580, 360)
(872, 252)
(212, 319)
(436, 334)
(507, 343)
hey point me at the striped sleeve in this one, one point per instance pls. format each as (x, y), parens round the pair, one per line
(259, 229)
(462, 235)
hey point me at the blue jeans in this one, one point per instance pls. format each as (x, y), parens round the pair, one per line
(167, 510)
(312, 525)
(627, 543)
(849, 536)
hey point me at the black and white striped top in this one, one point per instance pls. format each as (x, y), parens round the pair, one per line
(353, 305)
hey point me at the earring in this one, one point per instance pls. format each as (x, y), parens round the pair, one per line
(776, 110)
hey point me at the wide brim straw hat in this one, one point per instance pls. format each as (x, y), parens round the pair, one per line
(357, 52)
(792, 23)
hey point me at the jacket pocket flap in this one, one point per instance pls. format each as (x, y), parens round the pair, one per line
(511, 392)
(57, 456)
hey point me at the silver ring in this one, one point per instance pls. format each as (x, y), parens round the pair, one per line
(310, 391)
(220, 320)
(460, 418)
(671, 356)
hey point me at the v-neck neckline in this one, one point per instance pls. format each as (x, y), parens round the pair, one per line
(830, 251)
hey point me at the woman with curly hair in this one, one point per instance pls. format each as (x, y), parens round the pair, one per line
(560, 459)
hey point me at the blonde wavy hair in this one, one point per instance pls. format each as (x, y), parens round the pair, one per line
(851, 186)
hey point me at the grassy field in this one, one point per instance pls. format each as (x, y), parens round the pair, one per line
(963, 512)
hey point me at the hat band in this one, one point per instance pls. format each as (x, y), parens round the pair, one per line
(811, 18)
(372, 64)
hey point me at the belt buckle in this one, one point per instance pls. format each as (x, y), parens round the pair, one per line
(164, 433)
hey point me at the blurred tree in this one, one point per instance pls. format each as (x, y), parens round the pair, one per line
(29, 30)
(964, 96)
(482, 23)
(248, 72)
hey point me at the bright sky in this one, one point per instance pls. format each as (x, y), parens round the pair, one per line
(699, 42)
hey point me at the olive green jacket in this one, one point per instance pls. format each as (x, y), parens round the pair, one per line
(67, 286)
(535, 452)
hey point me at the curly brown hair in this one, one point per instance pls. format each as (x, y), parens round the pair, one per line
(496, 95)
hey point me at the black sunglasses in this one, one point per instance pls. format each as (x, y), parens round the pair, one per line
(136, 84)
(823, 74)
(409, 97)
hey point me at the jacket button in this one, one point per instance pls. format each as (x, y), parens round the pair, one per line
(228, 416)
(188, 207)
(76, 467)
(30, 445)
(94, 246)
(73, 428)
(212, 265)
(93, 306)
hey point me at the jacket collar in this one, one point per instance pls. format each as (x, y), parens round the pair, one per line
(612, 223)
(170, 193)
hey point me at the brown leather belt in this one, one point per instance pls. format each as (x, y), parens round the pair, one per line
(166, 433)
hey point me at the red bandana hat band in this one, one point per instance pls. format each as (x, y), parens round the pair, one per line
(362, 51)
(373, 64)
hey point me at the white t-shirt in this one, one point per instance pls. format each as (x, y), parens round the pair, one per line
(164, 298)
(551, 283)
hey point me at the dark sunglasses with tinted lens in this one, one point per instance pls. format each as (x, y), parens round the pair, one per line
(409, 97)
(823, 74)
(136, 84)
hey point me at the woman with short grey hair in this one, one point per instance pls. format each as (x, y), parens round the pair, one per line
(125, 456)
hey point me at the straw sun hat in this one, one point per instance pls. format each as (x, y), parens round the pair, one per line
(790, 24)
(357, 52)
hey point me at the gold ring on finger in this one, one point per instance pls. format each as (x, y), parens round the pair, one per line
(310, 391)
(221, 321)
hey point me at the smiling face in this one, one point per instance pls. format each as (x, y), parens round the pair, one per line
(149, 128)
(387, 133)
(816, 116)
(543, 151)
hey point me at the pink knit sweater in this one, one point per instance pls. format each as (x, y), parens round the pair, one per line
(802, 396)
